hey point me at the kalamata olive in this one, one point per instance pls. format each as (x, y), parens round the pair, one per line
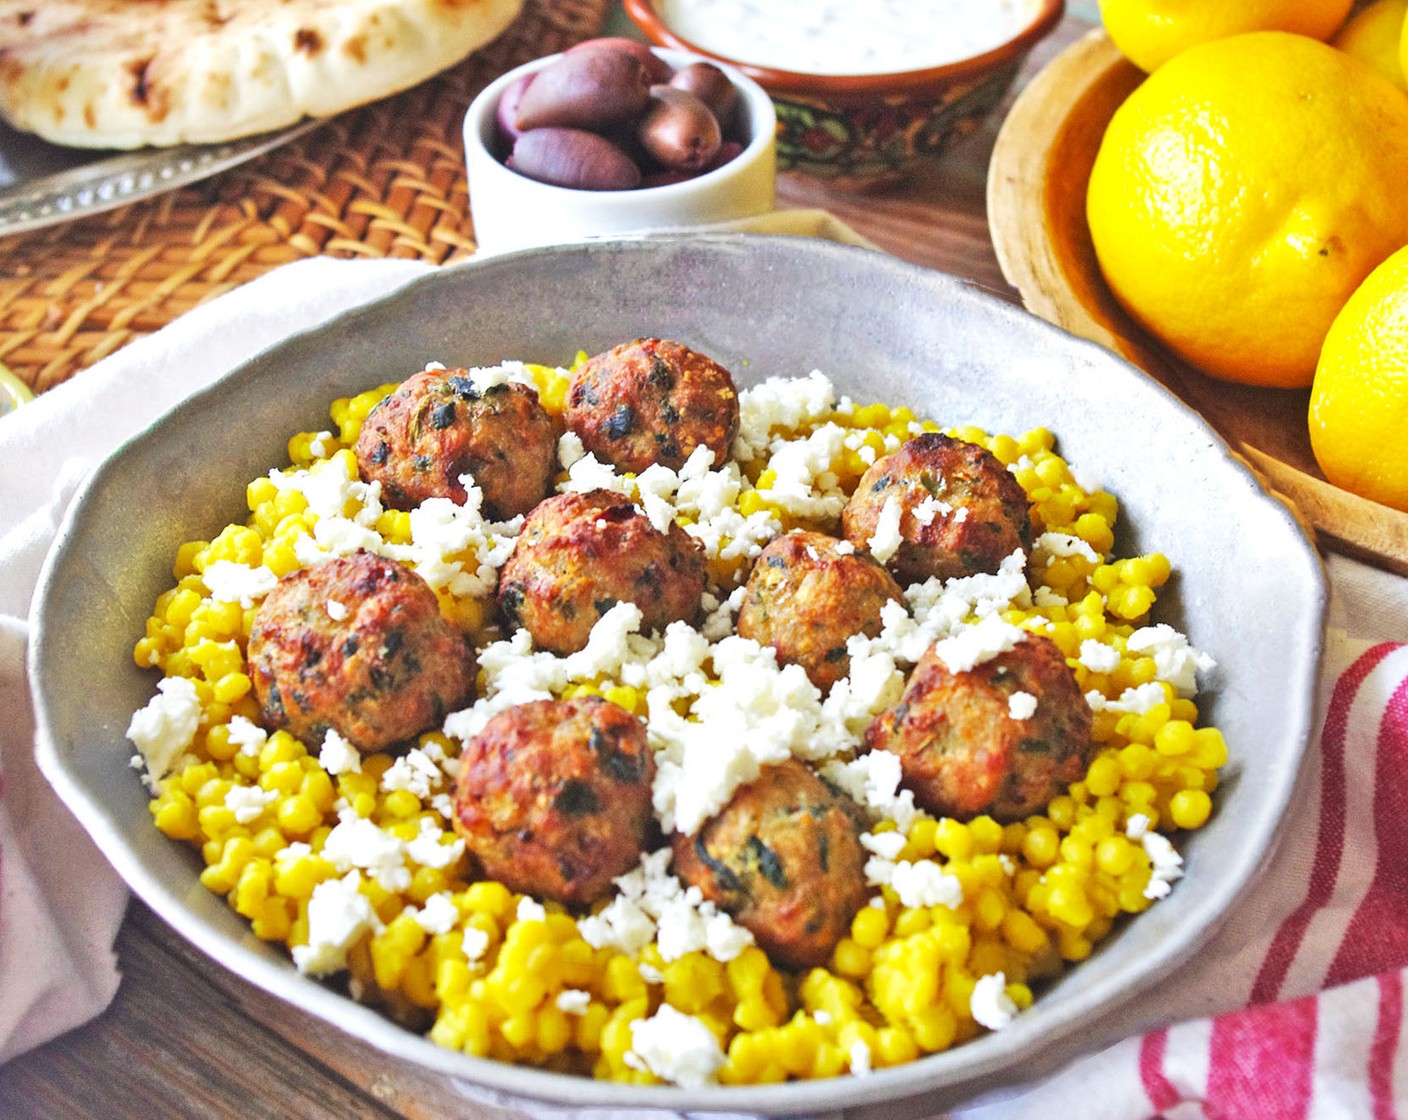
(729, 149)
(711, 85)
(655, 66)
(572, 157)
(506, 112)
(678, 130)
(587, 89)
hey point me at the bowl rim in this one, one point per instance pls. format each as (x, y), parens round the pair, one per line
(482, 107)
(1078, 1022)
(644, 15)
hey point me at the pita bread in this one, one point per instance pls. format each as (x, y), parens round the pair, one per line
(126, 73)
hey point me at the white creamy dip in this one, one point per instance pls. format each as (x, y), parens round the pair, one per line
(847, 36)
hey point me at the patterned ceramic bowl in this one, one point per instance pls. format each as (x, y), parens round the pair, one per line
(866, 130)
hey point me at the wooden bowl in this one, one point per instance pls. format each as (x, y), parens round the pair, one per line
(1036, 207)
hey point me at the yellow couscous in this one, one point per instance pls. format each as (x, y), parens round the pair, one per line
(490, 972)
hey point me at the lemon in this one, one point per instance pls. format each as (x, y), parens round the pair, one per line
(1240, 195)
(1373, 34)
(1359, 402)
(1150, 32)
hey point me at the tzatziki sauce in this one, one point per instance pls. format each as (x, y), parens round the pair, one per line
(847, 36)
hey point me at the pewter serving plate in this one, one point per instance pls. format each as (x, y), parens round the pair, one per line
(1249, 589)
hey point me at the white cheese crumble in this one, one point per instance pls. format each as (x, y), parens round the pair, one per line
(475, 943)
(1098, 657)
(1168, 864)
(165, 728)
(887, 539)
(653, 905)
(978, 644)
(247, 735)
(530, 910)
(675, 1047)
(780, 402)
(859, 1058)
(338, 915)
(1175, 661)
(438, 914)
(990, 1004)
(229, 582)
(1021, 705)
(1136, 700)
(338, 756)
(573, 1001)
(930, 508)
(336, 611)
(1050, 546)
(249, 802)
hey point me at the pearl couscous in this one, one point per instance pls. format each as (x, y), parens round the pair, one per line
(352, 860)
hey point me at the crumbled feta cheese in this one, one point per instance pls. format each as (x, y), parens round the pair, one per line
(779, 403)
(247, 735)
(475, 943)
(166, 727)
(428, 850)
(1021, 705)
(918, 883)
(990, 1004)
(336, 611)
(1175, 661)
(338, 756)
(437, 915)
(1098, 657)
(230, 582)
(932, 507)
(1052, 545)
(1135, 700)
(338, 915)
(573, 1001)
(873, 780)
(675, 1047)
(859, 1056)
(530, 911)
(980, 643)
(570, 449)
(1137, 827)
(358, 842)
(1168, 864)
(886, 540)
(249, 802)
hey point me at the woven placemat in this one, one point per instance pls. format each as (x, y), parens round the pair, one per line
(386, 180)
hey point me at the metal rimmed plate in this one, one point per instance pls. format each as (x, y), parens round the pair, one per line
(42, 184)
(1249, 588)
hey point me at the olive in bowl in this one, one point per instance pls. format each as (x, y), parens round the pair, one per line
(592, 142)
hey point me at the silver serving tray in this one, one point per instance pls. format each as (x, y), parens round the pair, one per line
(1249, 588)
(42, 184)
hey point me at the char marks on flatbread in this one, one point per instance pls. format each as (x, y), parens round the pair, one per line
(126, 73)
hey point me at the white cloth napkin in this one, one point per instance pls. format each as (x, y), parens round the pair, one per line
(1331, 915)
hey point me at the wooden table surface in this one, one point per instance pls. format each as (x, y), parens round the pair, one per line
(184, 1038)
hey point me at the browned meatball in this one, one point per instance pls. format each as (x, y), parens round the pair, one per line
(357, 644)
(806, 596)
(784, 858)
(578, 555)
(987, 516)
(438, 426)
(553, 797)
(652, 401)
(963, 751)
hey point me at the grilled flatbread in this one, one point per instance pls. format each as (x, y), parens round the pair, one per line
(127, 73)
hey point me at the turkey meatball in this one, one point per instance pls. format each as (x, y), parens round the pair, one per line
(1003, 738)
(960, 510)
(652, 401)
(579, 554)
(784, 858)
(553, 797)
(440, 425)
(806, 595)
(357, 644)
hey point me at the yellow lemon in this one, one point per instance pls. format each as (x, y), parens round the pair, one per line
(1359, 402)
(1374, 34)
(1240, 195)
(1150, 32)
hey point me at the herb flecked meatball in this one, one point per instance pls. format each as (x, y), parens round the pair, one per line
(961, 511)
(553, 797)
(357, 644)
(439, 425)
(1002, 738)
(579, 554)
(784, 858)
(652, 401)
(806, 595)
